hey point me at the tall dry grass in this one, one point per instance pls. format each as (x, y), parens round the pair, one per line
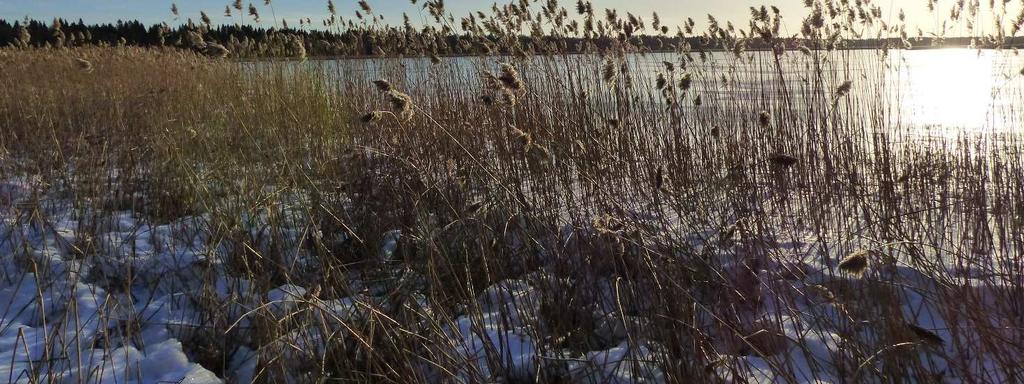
(708, 213)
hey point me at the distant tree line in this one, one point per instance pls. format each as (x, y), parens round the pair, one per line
(247, 41)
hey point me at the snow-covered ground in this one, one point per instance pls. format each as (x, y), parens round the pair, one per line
(59, 323)
(117, 302)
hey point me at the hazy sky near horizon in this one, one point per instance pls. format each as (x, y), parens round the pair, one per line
(672, 12)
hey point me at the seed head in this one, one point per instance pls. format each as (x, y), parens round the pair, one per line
(215, 50)
(488, 100)
(401, 103)
(195, 40)
(686, 82)
(24, 36)
(821, 292)
(298, 47)
(856, 263)
(382, 85)
(661, 82)
(84, 65)
(365, 6)
(254, 12)
(782, 160)
(508, 97)
(510, 78)
(765, 118)
(372, 117)
(926, 336)
(609, 72)
(524, 138)
(844, 88)
(659, 178)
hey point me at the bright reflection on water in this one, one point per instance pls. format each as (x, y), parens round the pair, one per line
(938, 93)
(949, 91)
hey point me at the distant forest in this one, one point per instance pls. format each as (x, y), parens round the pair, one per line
(246, 41)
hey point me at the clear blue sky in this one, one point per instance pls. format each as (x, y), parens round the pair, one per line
(671, 11)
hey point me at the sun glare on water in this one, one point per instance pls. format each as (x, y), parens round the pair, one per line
(947, 91)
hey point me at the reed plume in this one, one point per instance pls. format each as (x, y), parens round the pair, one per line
(660, 82)
(782, 160)
(215, 50)
(764, 118)
(856, 263)
(24, 37)
(365, 6)
(254, 13)
(84, 65)
(822, 292)
(927, 336)
(510, 79)
(844, 88)
(372, 117)
(525, 139)
(686, 82)
(383, 85)
(298, 47)
(487, 99)
(401, 104)
(609, 72)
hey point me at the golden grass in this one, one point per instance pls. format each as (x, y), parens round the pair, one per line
(688, 210)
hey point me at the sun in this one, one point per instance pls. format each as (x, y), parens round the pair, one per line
(947, 91)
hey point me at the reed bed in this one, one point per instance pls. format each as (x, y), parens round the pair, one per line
(535, 215)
